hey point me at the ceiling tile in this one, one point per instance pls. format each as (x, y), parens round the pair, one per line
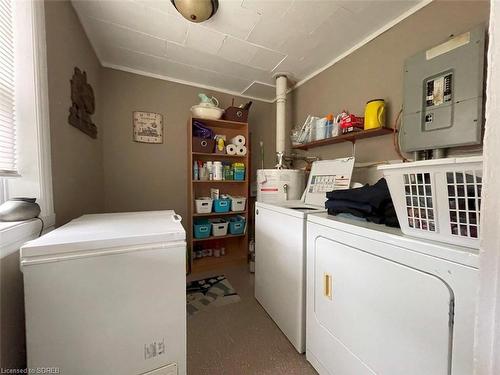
(138, 17)
(305, 16)
(184, 55)
(204, 39)
(127, 13)
(243, 43)
(163, 6)
(169, 69)
(261, 90)
(126, 58)
(109, 34)
(298, 67)
(232, 19)
(266, 59)
(271, 33)
(266, 7)
(237, 50)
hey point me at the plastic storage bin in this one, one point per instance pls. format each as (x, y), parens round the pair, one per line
(203, 205)
(202, 228)
(239, 174)
(219, 227)
(237, 225)
(238, 204)
(438, 199)
(222, 205)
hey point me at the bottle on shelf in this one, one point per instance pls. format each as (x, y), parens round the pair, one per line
(195, 171)
(217, 166)
(210, 170)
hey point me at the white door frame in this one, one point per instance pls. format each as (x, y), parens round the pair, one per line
(487, 348)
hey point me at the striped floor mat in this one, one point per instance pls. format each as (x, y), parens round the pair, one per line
(207, 293)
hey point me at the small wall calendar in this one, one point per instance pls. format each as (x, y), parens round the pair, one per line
(148, 127)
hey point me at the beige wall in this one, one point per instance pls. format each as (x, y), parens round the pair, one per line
(376, 71)
(140, 176)
(77, 170)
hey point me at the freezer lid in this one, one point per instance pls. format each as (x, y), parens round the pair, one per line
(325, 176)
(102, 231)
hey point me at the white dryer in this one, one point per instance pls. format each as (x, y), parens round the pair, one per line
(280, 247)
(379, 302)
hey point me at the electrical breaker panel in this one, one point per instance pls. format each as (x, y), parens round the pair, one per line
(443, 94)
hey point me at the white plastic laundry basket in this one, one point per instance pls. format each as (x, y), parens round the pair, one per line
(438, 199)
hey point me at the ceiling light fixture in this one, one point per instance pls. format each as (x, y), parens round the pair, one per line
(196, 10)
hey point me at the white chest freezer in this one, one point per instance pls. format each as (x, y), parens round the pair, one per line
(280, 235)
(105, 294)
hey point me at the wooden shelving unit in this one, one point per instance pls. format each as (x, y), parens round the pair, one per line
(216, 214)
(349, 137)
(236, 246)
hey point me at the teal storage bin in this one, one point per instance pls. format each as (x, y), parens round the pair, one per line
(237, 225)
(222, 205)
(239, 175)
(202, 228)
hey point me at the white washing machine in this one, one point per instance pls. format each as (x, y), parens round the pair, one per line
(280, 247)
(106, 294)
(379, 302)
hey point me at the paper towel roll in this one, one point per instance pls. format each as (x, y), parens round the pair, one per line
(239, 140)
(231, 149)
(241, 150)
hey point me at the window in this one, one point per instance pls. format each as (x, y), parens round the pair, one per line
(8, 157)
(25, 168)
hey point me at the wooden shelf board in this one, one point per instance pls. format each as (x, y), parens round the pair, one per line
(214, 155)
(349, 137)
(215, 238)
(209, 263)
(218, 181)
(221, 213)
(222, 123)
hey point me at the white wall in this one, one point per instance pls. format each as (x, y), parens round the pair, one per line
(487, 353)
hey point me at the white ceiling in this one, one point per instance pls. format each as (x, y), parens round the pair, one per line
(242, 46)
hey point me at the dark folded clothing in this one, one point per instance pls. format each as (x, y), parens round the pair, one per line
(373, 203)
(347, 210)
(340, 205)
(375, 195)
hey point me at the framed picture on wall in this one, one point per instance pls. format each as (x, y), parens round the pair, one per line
(148, 127)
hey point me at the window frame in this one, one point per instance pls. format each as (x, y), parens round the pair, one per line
(33, 142)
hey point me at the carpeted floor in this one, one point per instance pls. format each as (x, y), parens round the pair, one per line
(240, 338)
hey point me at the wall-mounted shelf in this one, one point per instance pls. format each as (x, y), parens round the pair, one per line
(349, 137)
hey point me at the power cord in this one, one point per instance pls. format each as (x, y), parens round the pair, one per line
(43, 226)
(395, 136)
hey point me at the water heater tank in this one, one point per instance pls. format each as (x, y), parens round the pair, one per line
(277, 185)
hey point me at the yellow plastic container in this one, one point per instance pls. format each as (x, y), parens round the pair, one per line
(375, 114)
